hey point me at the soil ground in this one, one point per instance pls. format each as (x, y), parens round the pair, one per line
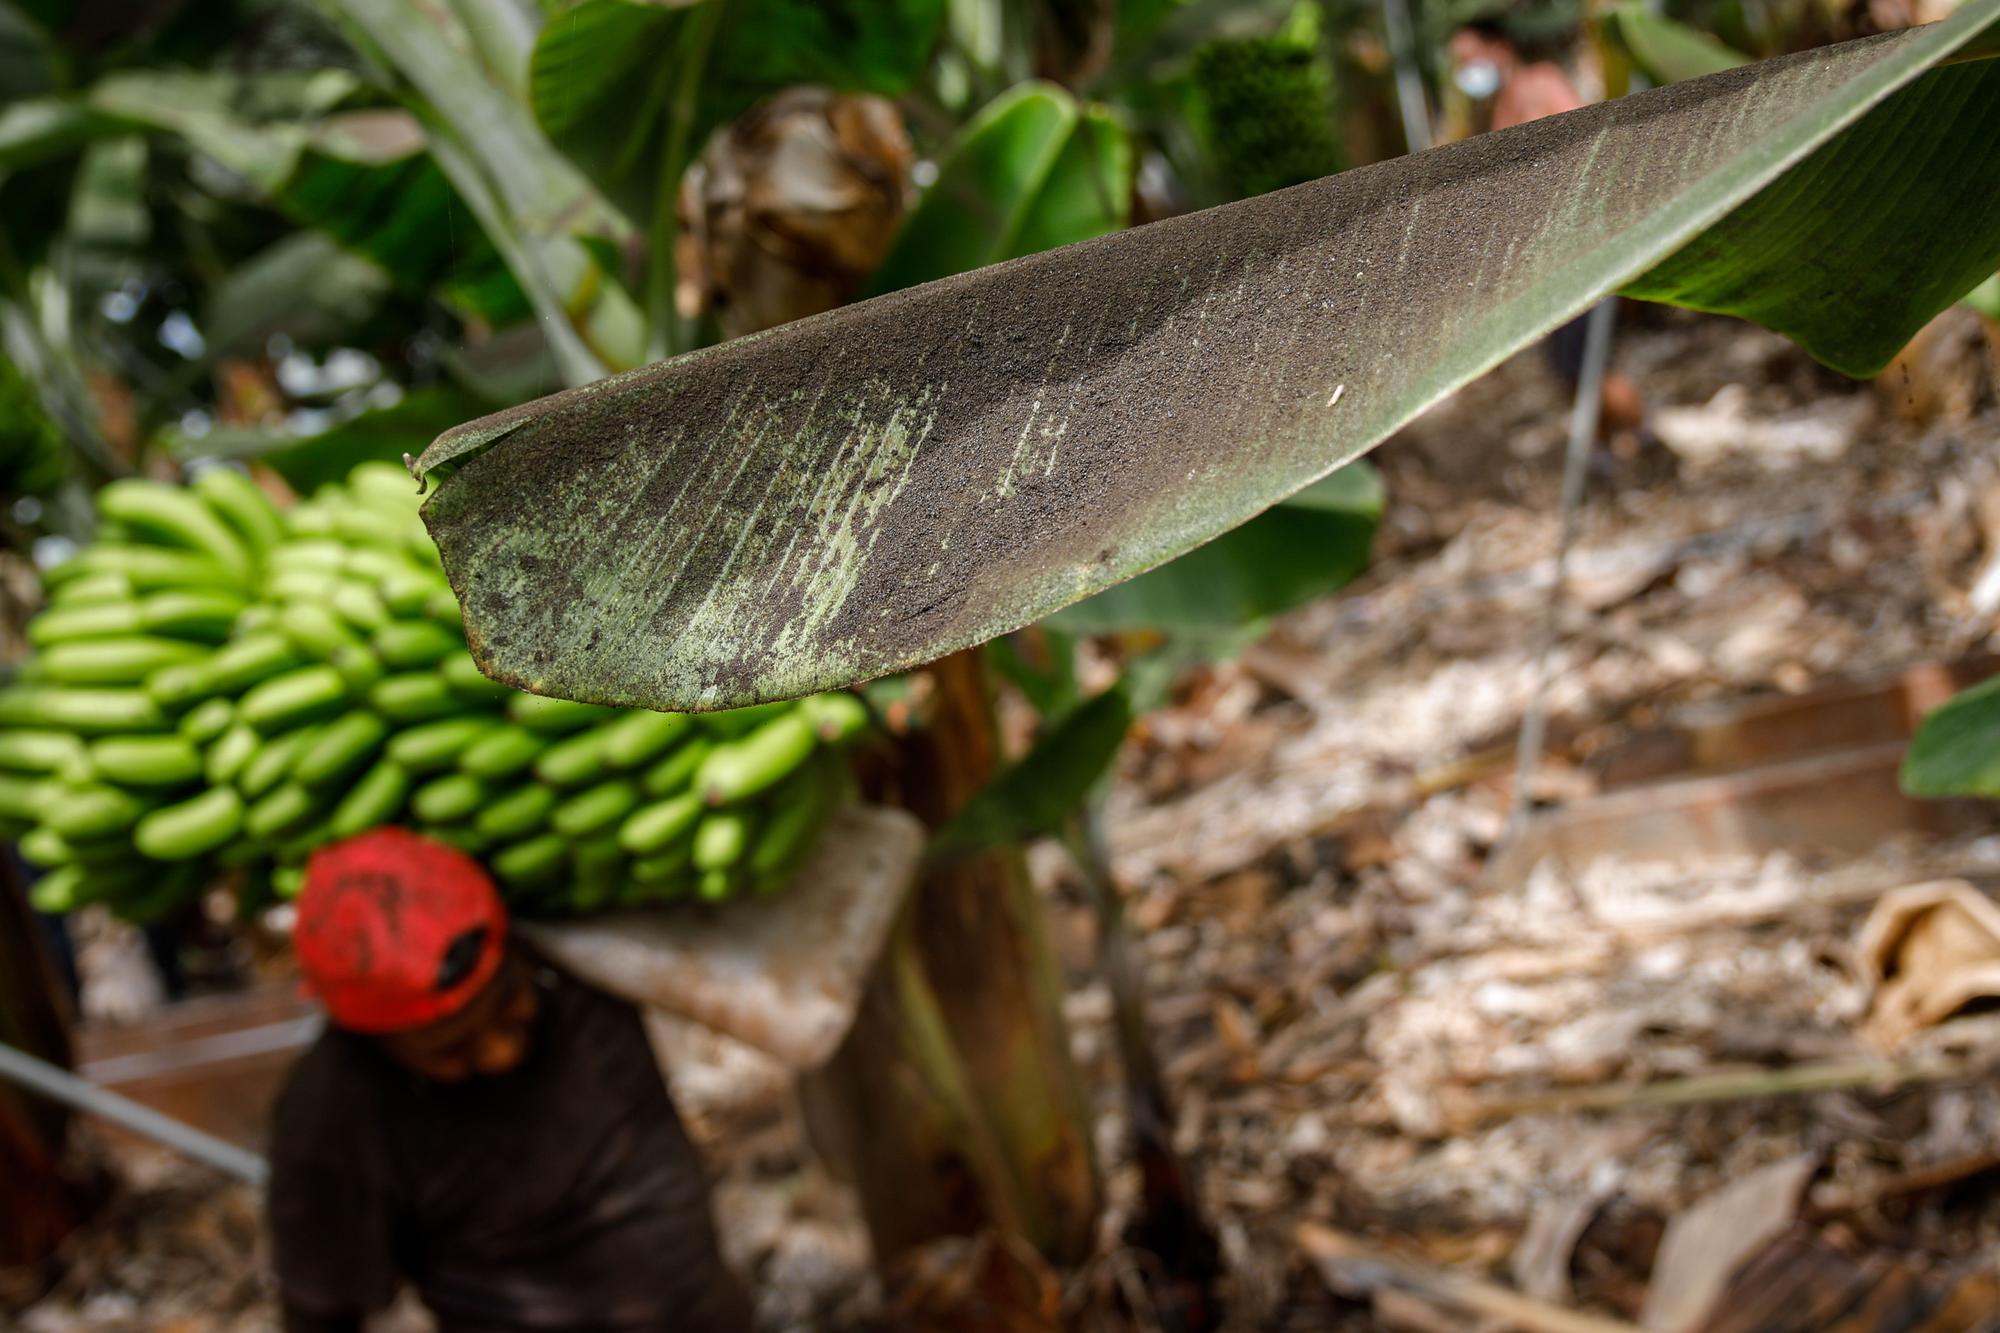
(1363, 1025)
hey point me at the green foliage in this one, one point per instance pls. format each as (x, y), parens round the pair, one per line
(1985, 298)
(30, 64)
(1039, 794)
(33, 455)
(1032, 171)
(382, 434)
(1669, 52)
(1957, 747)
(532, 203)
(1301, 548)
(364, 179)
(1932, 201)
(1267, 109)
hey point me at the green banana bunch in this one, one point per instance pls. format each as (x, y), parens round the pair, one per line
(221, 685)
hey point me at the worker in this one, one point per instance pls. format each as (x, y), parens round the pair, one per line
(475, 1123)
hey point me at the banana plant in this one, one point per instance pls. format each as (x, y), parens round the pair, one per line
(881, 485)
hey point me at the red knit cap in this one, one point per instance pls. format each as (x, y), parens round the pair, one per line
(396, 931)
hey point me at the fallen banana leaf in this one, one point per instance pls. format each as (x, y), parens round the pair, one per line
(886, 483)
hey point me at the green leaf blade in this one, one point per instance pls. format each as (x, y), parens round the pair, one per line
(1037, 794)
(1669, 51)
(1956, 751)
(1815, 256)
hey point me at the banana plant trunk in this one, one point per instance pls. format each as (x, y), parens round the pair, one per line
(39, 1206)
(953, 1106)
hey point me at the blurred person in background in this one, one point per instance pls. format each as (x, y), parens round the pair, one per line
(476, 1123)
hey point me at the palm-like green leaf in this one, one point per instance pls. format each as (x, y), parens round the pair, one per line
(530, 200)
(1668, 51)
(365, 179)
(1957, 749)
(1036, 795)
(1032, 171)
(876, 486)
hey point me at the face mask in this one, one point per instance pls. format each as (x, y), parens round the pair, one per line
(1478, 79)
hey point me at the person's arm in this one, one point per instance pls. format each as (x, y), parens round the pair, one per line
(328, 1205)
(299, 1321)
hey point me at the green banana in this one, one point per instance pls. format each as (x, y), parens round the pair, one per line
(574, 760)
(197, 825)
(739, 769)
(228, 753)
(80, 813)
(539, 712)
(272, 763)
(473, 685)
(359, 605)
(431, 746)
(517, 814)
(206, 615)
(722, 838)
(677, 770)
(120, 661)
(172, 516)
(595, 809)
(649, 829)
(835, 716)
(97, 620)
(150, 567)
(641, 735)
(284, 807)
(533, 862)
(146, 761)
(414, 696)
(503, 751)
(737, 721)
(340, 748)
(402, 644)
(448, 799)
(38, 751)
(93, 589)
(302, 695)
(208, 720)
(376, 799)
(246, 661)
(243, 506)
(94, 712)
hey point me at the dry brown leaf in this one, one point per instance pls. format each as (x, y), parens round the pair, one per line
(1931, 949)
(1706, 1244)
(790, 207)
(1541, 1261)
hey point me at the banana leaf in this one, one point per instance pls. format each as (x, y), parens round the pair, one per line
(883, 484)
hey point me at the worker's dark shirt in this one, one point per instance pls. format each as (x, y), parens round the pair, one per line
(562, 1195)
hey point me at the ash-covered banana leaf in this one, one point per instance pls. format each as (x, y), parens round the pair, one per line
(877, 486)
